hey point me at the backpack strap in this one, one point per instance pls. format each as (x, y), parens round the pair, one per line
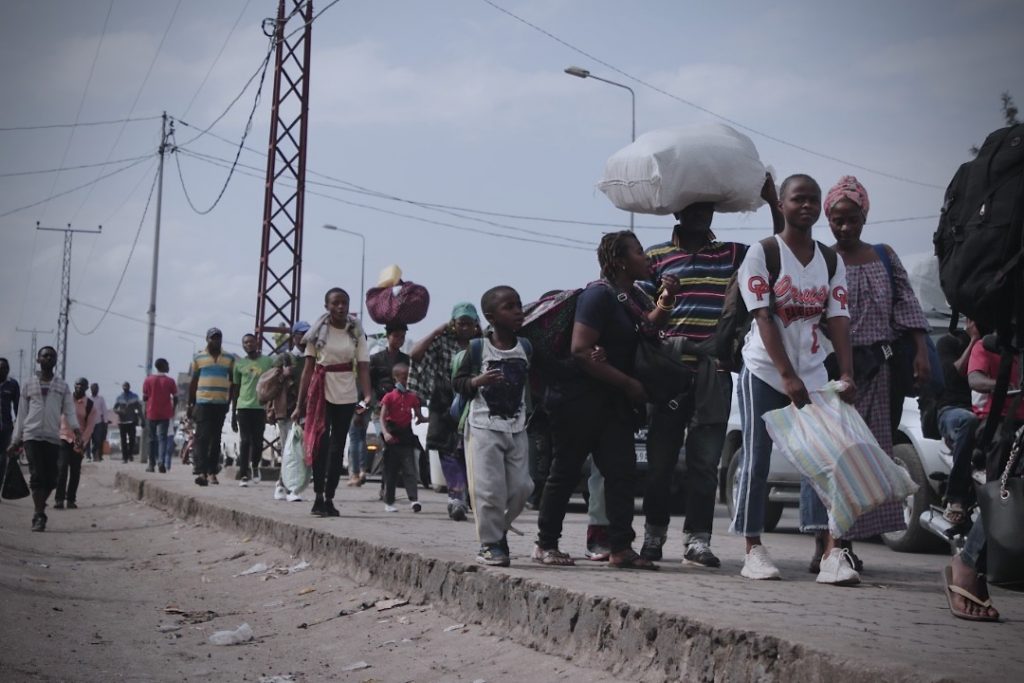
(772, 259)
(831, 259)
(527, 347)
(883, 256)
(476, 353)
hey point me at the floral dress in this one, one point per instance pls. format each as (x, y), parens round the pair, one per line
(878, 314)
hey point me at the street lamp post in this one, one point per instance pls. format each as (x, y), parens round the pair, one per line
(579, 72)
(362, 268)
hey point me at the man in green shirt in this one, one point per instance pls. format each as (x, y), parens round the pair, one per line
(248, 417)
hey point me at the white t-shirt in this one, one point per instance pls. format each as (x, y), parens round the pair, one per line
(340, 387)
(501, 407)
(801, 294)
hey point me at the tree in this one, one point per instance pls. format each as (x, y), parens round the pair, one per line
(1010, 112)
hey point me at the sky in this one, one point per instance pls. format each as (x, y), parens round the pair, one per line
(450, 102)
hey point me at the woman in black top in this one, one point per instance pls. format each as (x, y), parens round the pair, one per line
(596, 411)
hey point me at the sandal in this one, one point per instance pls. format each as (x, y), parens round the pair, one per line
(947, 580)
(201, 480)
(551, 557)
(629, 559)
(955, 513)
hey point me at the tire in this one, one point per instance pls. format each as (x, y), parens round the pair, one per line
(772, 511)
(915, 539)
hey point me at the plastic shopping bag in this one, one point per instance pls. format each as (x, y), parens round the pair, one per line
(295, 473)
(828, 442)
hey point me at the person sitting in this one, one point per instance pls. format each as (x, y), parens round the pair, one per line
(957, 422)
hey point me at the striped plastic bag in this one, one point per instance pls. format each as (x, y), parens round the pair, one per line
(828, 442)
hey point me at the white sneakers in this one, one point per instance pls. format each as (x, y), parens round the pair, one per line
(758, 566)
(390, 508)
(837, 569)
(415, 506)
(280, 493)
(243, 482)
(293, 498)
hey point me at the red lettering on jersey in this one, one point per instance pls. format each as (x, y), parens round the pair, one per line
(839, 294)
(758, 286)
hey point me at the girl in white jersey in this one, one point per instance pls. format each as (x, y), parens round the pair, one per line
(783, 359)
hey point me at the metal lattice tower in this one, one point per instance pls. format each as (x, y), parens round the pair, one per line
(277, 304)
(65, 292)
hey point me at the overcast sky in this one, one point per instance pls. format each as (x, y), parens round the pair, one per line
(448, 102)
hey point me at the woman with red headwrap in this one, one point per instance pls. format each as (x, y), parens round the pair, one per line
(882, 307)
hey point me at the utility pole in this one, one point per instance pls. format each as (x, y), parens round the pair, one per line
(65, 291)
(21, 366)
(164, 135)
(34, 333)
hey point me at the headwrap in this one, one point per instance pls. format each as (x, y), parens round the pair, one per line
(850, 188)
(465, 310)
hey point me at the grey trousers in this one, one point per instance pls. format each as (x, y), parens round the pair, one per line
(499, 479)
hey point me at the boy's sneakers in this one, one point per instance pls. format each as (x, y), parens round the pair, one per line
(837, 569)
(243, 482)
(318, 507)
(699, 552)
(39, 522)
(293, 498)
(654, 539)
(390, 508)
(58, 505)
(330, 510)
(493, 555)
(758, 566)
(415, 506)
(280, 492)
(456, 510)
(162, 469)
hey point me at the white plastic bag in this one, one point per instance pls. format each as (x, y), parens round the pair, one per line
(295, 472)
(242, 634)
(828, 442)
(666, 170)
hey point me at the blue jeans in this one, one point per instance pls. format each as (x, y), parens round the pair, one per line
(973, 553)
(158, 444)
(756, 399)
(813, 515)
(958, 427)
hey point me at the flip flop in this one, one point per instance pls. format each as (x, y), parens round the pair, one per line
(631, 561)
(947, 581)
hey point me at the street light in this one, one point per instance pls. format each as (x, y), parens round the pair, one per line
(579, 72)
(362, 270)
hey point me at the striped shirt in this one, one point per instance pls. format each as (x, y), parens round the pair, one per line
(214, 376)
(703, 278)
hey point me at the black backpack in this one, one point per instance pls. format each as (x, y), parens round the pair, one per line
(978, 240)
(733, 326)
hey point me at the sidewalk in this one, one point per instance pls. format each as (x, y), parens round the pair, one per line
(678, 623)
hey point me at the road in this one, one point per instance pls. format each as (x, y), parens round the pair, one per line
(119, 591)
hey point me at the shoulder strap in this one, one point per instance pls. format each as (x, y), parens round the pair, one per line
(476, 352)
(527, 347)
(831, 259)
(883, 256)
(772, 258)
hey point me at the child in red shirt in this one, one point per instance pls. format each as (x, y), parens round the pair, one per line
(396, 412)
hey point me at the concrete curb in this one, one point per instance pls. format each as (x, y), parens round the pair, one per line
(599, 632)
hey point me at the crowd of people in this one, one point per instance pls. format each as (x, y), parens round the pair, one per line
(505, 444)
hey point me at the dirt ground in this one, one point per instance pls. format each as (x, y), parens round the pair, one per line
(118, 591)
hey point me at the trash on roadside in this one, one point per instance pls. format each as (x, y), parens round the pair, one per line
(171, 609)
(257, 568)
(242, 634)
(390, 604)
(356, 666)
(403, 620)
(454, 627)
(301, 566)
(168, 628)
(307, 589)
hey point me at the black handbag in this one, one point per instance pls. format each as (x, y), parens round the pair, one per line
(14, 486)
(665, 377)
(1002, 513)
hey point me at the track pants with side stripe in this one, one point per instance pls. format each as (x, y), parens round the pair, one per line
(499, 479)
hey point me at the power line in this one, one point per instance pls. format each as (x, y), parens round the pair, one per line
(124, 270)
(49, 126)
(238, 152)
(216, 59)
(44, 171)
(312, 19)
(689, 103)
(76, 188)
(138, 320)
(138, 94)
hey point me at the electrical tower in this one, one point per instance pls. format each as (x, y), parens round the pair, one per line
(65, 292)
(277, 303)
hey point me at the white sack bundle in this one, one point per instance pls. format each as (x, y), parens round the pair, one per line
(668, 169)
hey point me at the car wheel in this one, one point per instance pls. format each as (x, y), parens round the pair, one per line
(915, 539)
(772, 511)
